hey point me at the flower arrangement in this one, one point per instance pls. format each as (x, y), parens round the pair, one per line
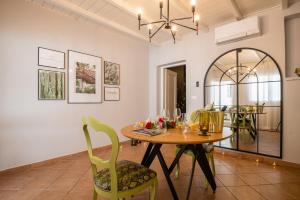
(160, 123)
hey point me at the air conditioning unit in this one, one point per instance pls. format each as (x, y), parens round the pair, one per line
(238, 30)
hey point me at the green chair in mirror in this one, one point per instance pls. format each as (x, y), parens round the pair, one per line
(116, 179)
(209, 147)
(240, 120)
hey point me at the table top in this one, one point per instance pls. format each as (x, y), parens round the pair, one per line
(176, 136)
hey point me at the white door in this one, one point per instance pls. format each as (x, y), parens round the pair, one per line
(170, 91)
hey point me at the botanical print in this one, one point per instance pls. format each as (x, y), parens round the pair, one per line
(111, 73)
(51, 85)
(85, 78)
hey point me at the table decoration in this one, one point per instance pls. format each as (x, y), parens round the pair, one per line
(160, 123)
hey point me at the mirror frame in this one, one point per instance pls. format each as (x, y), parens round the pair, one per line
(281, 100)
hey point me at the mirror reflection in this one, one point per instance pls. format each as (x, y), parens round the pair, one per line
(248, 82)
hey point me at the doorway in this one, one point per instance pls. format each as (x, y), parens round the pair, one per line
(172, 88)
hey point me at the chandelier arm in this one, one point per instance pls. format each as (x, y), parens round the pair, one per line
(155, 22)
(164, 17)
(151, 36)
(182, 18)
(173, 35)
(184, 26)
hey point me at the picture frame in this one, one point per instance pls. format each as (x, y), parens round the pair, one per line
(84, 78)
(51, 85)
(111, 73)
(111, 94)
(51, 58)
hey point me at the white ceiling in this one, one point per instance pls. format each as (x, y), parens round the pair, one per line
(122, 14)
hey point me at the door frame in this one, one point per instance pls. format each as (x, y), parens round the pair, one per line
(160, 79)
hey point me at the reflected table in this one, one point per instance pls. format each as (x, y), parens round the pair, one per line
(190, 140)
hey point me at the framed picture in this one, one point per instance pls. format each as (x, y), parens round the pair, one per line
(84, 78)
(51, 85)
(51, 58)
(111, 94)
(111, 73)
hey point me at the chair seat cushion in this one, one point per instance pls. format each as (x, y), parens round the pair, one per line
(129, 175)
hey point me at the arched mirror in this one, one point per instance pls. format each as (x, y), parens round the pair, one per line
(247, 84)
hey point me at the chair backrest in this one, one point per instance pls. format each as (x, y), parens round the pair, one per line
(96, 161)
(195, 116)
(238, 119)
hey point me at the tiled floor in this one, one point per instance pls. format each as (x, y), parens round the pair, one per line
(236, 179)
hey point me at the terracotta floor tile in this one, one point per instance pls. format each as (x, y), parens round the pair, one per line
(19, 194)
(230, 180)
(71, 179)
(272, 192)
(13, 183)
(253, 179)
(63, 184)
(292, 189)
(51, 195)
(221, 169)
(245, 193)
(280, 177)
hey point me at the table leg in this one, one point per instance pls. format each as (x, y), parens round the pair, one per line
(152, 151)
(167, 175)
(203, 162)
(149, 148)
(176, 160)
(148, 161)
(191, 179)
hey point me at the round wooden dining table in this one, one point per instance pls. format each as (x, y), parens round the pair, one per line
(187, 141)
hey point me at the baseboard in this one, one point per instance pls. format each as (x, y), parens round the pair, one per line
(255, 157)
(57, 159)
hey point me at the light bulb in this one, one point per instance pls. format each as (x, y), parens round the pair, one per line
(229, 71)
(197, 17)
(254, 70)
(150, 26)
(174, 28)
(193, 2)
(139, 11)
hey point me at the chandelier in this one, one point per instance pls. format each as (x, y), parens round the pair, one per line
(167, 23)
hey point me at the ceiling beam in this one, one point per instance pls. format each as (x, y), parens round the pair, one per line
(96, 18)
(184, 7)
(235, 9)
(133, 12)
(284, 4)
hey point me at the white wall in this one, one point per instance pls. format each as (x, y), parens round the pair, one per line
(200, 51)
(32, 130)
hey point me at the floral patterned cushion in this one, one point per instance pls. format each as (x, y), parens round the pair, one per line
(129, 174)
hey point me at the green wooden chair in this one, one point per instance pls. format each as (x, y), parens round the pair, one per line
(242, 122)
(209, 147)
(116, 179)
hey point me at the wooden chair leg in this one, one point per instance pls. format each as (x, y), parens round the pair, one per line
(95, 195)
(153, 190)
(177, 168)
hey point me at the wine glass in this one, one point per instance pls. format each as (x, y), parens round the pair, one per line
(185, 121)
(177, 114)
(165, 114)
